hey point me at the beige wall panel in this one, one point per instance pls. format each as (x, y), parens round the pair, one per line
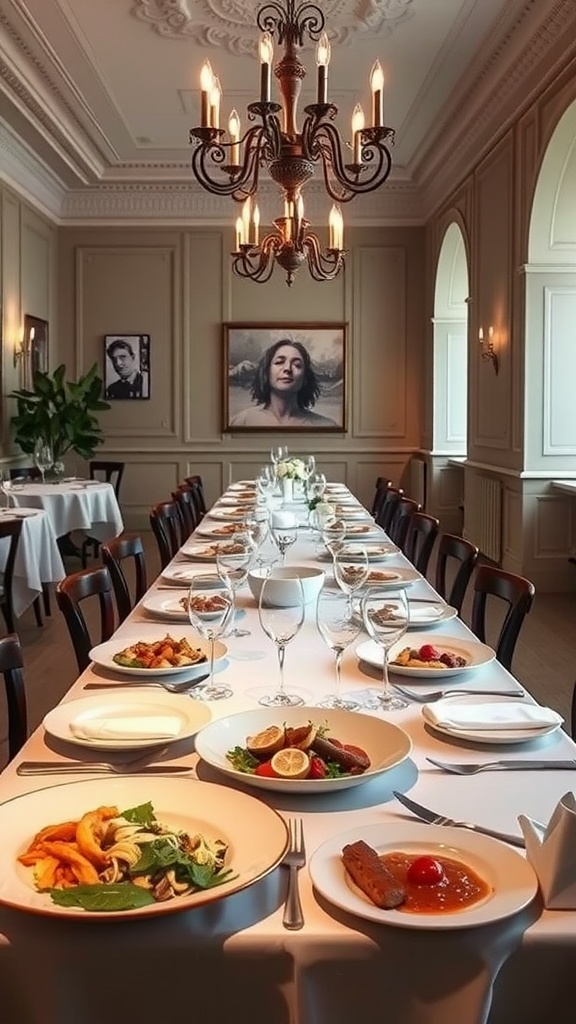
(512, 539)
(306, 300)
(380, 352)
(202, 342)
(149, 481)
(132, 291)
(552, 532)
(37, 245)
(12, 319)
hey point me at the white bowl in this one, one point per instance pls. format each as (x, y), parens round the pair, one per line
(385, 743)
(283, 592)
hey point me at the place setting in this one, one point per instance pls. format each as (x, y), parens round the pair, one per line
(486, 718)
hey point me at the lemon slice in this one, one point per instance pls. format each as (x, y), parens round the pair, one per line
(267, 742)
(290, 763)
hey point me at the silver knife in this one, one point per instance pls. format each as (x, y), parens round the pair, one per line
(433, 818)
(84, 767)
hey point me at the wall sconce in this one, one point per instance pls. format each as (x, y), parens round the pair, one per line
(21, 349)
(487, 350)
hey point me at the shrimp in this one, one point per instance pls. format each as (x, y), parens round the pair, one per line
(90, 832)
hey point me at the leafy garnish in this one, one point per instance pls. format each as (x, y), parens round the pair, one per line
(242, 760)
(142, 815)
(104, 896)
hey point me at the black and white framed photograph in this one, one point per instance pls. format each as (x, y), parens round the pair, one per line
(284, 377)
(126, 366)
(35, 347)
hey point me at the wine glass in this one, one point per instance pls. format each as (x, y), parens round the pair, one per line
(333, 534)
(278, 453)
(43, 457)
(266, 482)
(281, 625)
(315, 485)
(6, 485)
(284, 536)
(233, 563)
(339, 627)
(210, 610)
(257, 524)
(351, 568)
(386, 616)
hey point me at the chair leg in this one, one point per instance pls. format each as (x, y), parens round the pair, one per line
(38, 612)
(46, 599)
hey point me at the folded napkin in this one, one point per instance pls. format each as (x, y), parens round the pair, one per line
(494, 716)
(151, 727)
(424, 612)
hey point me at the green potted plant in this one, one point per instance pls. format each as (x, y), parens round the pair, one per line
(60, 413)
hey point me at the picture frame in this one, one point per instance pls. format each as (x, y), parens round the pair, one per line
(35, 348)
(289, 377)
(126, 367)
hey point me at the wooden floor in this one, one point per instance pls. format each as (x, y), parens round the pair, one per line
(544, 661)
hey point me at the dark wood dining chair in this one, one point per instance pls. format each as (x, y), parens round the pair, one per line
(166, 523)
(186, 500)
(420, 539)
(195, 482)
(516, 592)
(398, 529)
(388, 504)
(455, 561)
(93, 583)
(126, 548)
(382, 486)
(10, 530)
(108, 472)
(11, 665)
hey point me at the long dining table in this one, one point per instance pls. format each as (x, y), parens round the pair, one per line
(232, 958)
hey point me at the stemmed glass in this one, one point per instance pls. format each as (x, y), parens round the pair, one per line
(281, 625)
(333, 535)
(43, 457)
(339, 627)
(386, 616)
(284, 536)
(257, 525)
(315, 485)
(210, 610)
(351, 568)
(233, 563)
(6, 485)
(266, 482)
(278, 453)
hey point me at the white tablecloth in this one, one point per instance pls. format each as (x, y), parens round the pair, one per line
(75, 505)
(38, 558)
(234, 960)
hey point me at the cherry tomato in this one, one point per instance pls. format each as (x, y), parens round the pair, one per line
(425, 871)
(318, 769)
(429, 653)
(266, 770)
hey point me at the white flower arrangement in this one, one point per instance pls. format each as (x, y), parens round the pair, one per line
(291, 469)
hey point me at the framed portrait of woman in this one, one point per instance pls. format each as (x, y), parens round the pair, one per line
(289, 377)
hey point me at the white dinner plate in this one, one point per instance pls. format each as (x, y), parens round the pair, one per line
(426, 612)
(227, 515)
(165, 606)
(216, 812)
(183, 575)
(392, 578)
(103, 655)
(363, 530)
(375, 552)
(149, 719)
(200, 552)
(242, 485)
(491, 736)
(219, 532)
(385, 743)
(510, 876)
(476, 655)
(237, 499)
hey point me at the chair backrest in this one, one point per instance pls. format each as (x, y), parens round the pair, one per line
(453, 550)
(111, 472)
(11, 668)
(195, 481)
(9, 530)
(114, 552)
(382, 486)
(166, 523)
(398, 529)
(186, 500)
(74, 589)
(422, 532)
(388, 500)
(25, 473)
(518, 595)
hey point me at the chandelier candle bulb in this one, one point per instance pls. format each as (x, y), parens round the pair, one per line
(239, 228)
(206, 84)
(256, 222)
(323, 60)
(266, 56)
(215, 97)
(336, 226)
(246, 222)
(377, 86)
(234, 132)
(358, 125)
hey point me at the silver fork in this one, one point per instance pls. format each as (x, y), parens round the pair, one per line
(427, 698)
(294, 860)
(139, 764)
(495, 766)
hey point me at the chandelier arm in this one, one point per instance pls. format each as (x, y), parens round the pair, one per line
(323, 142)
(257, 263)
(323, 266)
(244, 181)
(289, 22)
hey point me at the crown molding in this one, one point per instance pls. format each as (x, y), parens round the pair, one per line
(21, 170)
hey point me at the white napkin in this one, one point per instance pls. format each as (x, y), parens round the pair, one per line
(151, 727)
(495, 716)
(424, 612)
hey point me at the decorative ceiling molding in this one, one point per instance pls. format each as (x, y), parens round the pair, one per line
(230, 24)
(23, 172)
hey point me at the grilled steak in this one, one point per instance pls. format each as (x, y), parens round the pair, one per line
(364, 865)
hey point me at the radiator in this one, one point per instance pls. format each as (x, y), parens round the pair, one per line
(483, 513)
(417, 489)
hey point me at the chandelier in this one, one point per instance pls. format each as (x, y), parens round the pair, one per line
(233, 168)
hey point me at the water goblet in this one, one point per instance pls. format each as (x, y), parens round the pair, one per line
(6, 485)
(333, 534)
(43, 457)
(339, 628)
(351, 568)
(315, 486)
(386, 616)
(281, 625)
(233, 563)
(257, 523)
(284, 531)
(278, 453)
(210, 610)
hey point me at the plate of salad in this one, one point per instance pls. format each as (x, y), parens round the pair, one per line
(302, 749)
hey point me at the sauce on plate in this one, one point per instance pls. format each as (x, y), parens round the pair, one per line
(460, 887)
